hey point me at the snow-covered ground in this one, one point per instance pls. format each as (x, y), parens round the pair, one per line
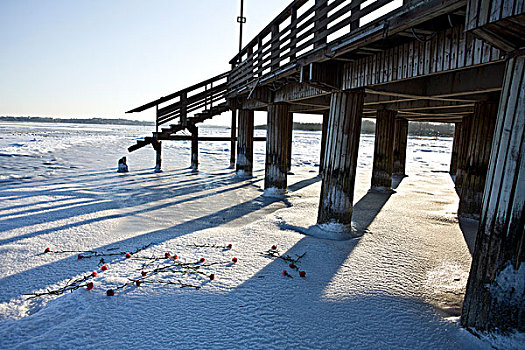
(398, 286)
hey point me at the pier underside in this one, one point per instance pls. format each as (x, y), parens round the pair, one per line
(452, 61)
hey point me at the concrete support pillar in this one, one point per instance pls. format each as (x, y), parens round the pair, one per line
(195, 149)
(233, 135)
(462, 152)
(455, 146)
(157, 146)
(477, 160)
(277, 136)
(400, 147)
(495, 295)
(290, 141)
(383, 149)
(323, 140)
(340, 159)
(244, 164)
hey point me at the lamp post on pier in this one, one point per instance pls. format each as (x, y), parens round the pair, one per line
(241, 20)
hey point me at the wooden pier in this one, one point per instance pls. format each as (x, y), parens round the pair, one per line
(454, 61)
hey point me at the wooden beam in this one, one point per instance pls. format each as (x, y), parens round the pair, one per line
(297, 92)
(204, 138)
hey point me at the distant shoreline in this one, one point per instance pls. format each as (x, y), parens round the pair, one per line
(369, 127)
(76, 121)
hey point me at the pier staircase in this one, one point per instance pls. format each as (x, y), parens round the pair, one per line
(206, 100)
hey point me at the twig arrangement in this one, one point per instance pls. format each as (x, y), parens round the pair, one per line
(229, 246)
(273, 252)
(70, 286)
(88, 254)
(153, 266)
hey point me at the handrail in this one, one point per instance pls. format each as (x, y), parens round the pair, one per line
(310, 24)
(190, 99)
(179, 93)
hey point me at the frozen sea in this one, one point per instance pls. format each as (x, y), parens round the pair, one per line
(397, 286)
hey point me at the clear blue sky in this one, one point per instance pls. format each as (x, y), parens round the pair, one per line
(99, 58)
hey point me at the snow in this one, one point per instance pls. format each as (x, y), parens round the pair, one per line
(274, 192)
(509, 285)
(397, 283)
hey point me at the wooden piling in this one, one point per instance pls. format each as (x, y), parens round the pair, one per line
(244, 162)
(479, 145)
(340, 159)
(400, 147)
(462, 152)
(289, 141)
(495, 295)
(195, 149)
(455, 144)
(277, 136)
(383, 149)
(233, 137)
(323, 140)
(157, 146)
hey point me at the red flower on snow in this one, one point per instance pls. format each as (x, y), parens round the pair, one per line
(229, 246)
(212, 276)
(90, 286)
(104, 268)
(110, 292)
(234, 260)
(175, 256)
(94, 274)
(138, 283)
(274, 247)
(167, 255)
(202, 260)
(128, 255)
(143, 273)
(302, 273)
(47, 250)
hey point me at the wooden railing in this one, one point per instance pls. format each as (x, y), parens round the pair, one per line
(304, 27)
(201, 96)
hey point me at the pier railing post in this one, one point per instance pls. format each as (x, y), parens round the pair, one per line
(319, 27)
(383, 149)
(400, 147)
(477, 160)
(340, 160)
(183, 109)
(277, 136)
(495, 295)
(244, 162)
